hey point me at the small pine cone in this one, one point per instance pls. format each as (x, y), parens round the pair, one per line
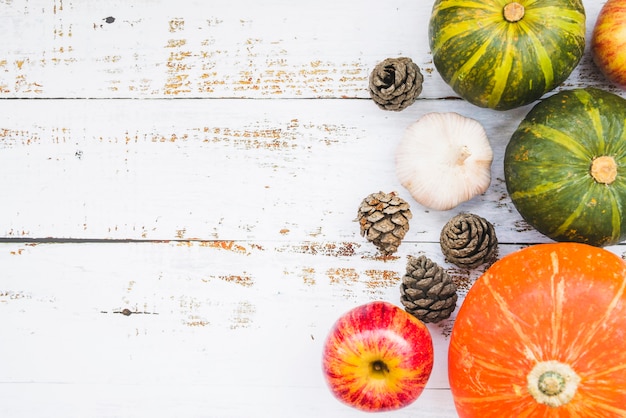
(468, 241)
(395, 83)
(384, 220)
(427, 292)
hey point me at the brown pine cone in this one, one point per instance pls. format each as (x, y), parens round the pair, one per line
(395, 83)
(427, 292)
(384, 220)
(468, 241)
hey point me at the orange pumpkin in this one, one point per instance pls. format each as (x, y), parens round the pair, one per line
(543, 334)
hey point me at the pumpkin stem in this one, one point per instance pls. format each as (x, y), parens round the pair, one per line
(513, 12)
(552, 383)
(604, 169)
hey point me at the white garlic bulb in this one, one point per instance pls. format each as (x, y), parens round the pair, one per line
(444, 159)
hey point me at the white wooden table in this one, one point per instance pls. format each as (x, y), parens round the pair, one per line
(179, 182)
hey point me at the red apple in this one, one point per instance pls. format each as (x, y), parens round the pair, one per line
(378, 357)
(608, 41)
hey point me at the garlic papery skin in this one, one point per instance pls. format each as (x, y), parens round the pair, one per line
(444, 159)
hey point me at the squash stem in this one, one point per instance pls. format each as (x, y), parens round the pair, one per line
(552, 383)
(604, 169)
(513, 12)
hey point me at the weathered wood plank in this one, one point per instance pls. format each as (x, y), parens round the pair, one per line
(227, 169)
(242, 48)
(208, 401)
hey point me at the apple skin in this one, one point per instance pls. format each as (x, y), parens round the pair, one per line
(377, 357)
(608, 42)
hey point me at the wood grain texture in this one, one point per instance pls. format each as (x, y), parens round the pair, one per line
(177, 224)
(246, 49)
(285, 170)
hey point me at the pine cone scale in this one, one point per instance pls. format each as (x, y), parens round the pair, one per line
(384, 225)
(434, 290)
(423, 303)
(373, 234)
(398, 219)
(375, 217)
(438, 305)
(425, 283)
(413, 293)
(399, 233)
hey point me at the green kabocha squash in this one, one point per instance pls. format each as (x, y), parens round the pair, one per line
(503, 54)
(565, 167)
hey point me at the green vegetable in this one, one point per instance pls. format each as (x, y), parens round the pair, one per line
(565, 167)
(503, 54)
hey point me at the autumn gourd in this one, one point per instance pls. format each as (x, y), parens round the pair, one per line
(565, 167)
(504, 54)
(543, 334)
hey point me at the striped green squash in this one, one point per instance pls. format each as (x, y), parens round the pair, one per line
(503, 54)
(565, 167)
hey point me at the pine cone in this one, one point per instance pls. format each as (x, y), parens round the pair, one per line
(468, 241)
(395, 83)
(384, 220)
(427, 292)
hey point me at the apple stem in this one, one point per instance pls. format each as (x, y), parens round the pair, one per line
(380, 366)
